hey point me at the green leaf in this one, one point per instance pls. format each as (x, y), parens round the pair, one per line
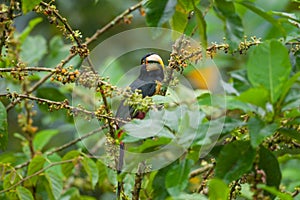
(259, 130)
(177, 177)
(23, 193)
(7, 157)
(235, 159)
(3, 127)
(111, 176)
(255, 96)
(179, 21)
(269, 164)
(71, 194)
(205, 99)
(159, 12)
(148, 127)
(58, 50)
(36, 164)
(233, 103)
(32, 23)
(91, 169)
(292, 103)
(102, 171)
(259, 11)
(218, 190)
(187, 5)
(43, 137)
(158, 184)
(55, 184)
(292, 17)
(54, 158)
(274, 191)
(28, 5)
(201, 27)
(269, 66)
(149, 145)
(232, 22)
(67, 168)
(287, 86)
(190, 31)
(51, 93)
(10, 179)
(33, 49)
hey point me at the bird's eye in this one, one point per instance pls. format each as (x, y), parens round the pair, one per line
(152, 61)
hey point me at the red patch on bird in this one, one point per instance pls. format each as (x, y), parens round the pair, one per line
(140, 115)
(120, 133)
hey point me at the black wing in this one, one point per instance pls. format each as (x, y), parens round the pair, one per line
(125, 112)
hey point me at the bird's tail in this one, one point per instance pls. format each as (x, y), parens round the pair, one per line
(119, 164)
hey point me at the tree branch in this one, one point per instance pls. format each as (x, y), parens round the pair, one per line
(209, 171)
(28, 69)
(64, 146)
(138, 181)
(64, 22)
(75, 140)
(113, 23)
(35, 174)
(43, 80)
(63, 104)
(104, 99)
(72, 54)
(201, 170)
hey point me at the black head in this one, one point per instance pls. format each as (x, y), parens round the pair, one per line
(152, 68)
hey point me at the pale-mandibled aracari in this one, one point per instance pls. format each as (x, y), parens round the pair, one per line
(148, 83)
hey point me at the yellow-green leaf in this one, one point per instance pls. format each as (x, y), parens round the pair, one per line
(201, 28)
(91, 169)
(218, 189)
(269, 66)
(23, 193)
(28, 5)
(35, 165)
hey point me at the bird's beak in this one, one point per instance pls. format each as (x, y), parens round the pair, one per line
(162, 64)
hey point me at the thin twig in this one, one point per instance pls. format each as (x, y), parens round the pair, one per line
(64, 146)
(296, 192)
(41, 81)
(204, 179)
(104, 99)
(64, 22)
(232, 190)
(199, 171)
(296, 144)
(75, 140)
(138, 182)
(35, 174)
(175, 50)
(113, 23)
(29, 69)
(60, 65)
(65, 105)
(71, 55)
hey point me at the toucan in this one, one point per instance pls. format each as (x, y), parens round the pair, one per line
(148, 84)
